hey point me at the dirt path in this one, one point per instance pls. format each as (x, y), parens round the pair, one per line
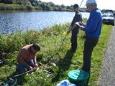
(107, 77)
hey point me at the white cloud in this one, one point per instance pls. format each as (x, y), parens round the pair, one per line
(106, 4)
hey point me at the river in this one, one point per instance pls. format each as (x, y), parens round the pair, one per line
(23, 21)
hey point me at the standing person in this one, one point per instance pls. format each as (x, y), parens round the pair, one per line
(92, 31)
(74, 28)
(26, 59)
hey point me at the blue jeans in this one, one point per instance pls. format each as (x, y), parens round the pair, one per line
(22, 68)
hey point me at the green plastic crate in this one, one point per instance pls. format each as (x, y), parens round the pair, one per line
(78, 77)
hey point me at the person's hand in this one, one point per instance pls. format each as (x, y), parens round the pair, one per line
(77, 23)
(80, 25)
(30, 67)
(36, 65)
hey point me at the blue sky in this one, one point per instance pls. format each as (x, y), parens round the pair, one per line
(102, 4)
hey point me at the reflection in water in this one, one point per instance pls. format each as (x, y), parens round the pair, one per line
(22, 21)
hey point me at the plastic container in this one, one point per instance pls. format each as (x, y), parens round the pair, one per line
(78, 77)
(65, 83)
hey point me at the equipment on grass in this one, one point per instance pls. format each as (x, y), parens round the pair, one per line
(78, 77)
(65, 83)
(12, 81)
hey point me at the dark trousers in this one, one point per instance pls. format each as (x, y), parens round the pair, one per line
(87, 53)
(75, 31)
(21, 68)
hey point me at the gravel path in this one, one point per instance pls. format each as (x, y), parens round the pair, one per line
(107, 77)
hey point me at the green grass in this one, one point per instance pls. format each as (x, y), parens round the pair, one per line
(54, 56)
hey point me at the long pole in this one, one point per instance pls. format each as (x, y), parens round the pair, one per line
(81, 3)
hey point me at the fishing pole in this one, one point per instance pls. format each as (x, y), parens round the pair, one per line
(12, 81)
(81, 3)
(24, 73)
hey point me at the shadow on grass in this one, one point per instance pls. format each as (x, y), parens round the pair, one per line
(63, 65)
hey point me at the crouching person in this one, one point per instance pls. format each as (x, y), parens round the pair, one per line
(26, 60)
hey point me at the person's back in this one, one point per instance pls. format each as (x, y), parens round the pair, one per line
(25, 54)
(94, 24)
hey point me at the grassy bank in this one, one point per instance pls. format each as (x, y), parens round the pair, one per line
(55, 58)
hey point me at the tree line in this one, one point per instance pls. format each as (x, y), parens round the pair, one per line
(38, 5)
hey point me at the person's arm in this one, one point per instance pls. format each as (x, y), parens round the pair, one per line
(80, 25)
(35, 62)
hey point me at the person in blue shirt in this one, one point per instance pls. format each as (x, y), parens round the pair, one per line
(75, 29)
(92, 30)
